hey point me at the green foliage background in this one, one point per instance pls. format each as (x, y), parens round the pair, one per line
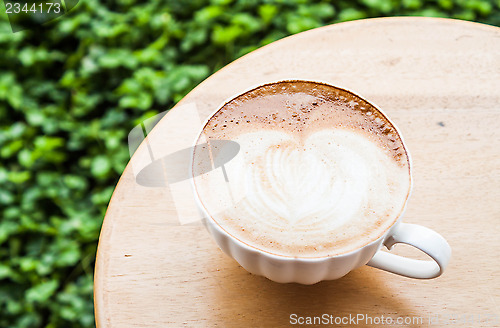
(71, 91)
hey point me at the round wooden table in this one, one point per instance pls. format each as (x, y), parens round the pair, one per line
(437, 79)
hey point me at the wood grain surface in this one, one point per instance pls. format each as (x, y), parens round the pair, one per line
(437, 79)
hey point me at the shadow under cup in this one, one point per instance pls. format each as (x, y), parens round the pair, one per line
(282, 173)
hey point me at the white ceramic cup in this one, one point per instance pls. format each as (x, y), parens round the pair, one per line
(285, 269)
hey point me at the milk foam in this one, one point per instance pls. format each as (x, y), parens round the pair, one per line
(321, 192)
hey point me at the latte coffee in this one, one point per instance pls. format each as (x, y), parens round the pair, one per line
(319, 171)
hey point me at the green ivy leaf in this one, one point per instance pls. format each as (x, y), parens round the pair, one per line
(226, 34)
(42, 292)
(100, 166)
(19, 177)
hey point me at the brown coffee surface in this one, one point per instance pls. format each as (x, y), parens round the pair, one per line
(320, 171)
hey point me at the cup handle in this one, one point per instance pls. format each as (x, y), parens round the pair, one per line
(426, 240)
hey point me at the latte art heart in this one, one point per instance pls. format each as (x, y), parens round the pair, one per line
(313, 177)
(314, 185)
